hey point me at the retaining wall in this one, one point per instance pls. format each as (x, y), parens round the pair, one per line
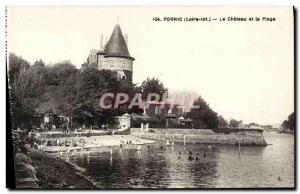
(204, 136)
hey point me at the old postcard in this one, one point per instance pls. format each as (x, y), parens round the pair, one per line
(181, 97)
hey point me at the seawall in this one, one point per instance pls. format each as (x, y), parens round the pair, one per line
(204, 136)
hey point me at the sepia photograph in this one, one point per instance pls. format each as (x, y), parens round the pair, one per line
(150, 97)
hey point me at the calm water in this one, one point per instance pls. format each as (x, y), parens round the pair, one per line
(271, 166)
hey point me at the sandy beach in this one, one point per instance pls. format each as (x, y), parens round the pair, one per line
(65, 144)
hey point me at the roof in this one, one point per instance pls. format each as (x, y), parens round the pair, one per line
(139, 116)
(116, 46)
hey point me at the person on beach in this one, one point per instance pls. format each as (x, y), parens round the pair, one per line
(204, 154)
(196, 157)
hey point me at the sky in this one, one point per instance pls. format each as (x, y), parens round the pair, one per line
(244, 70)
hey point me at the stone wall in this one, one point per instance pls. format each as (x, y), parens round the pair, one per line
(204, 136)
(115, 64)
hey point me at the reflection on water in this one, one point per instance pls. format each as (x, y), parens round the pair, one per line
(271, 166)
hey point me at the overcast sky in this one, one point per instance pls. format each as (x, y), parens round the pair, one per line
(244, 70)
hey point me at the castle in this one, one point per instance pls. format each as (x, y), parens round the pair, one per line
(114, 56)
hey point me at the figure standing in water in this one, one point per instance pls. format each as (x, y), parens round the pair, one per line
(196, 157)
(190, 156)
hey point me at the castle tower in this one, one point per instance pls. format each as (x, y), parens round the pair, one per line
(116, 57)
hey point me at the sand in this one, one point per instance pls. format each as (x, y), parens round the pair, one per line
(66, 144)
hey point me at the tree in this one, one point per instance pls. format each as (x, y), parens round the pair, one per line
(81, 92)
(59, 72)
(222, 123)
(291, 120)
(16, 67)
(21, 91)
(234, 123)
(204, 116)
(290, 123)
(152, 85)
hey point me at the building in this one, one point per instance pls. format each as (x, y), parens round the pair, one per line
(114, 56)
(161, 115)
(124, 121)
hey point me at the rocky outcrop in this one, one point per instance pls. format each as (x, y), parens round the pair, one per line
(25, 173)
(37, 169)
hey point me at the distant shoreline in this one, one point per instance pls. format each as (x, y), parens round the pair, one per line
(287, 132)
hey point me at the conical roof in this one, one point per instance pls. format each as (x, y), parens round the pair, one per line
(116, 45)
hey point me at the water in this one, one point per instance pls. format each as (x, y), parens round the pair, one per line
(224, 167)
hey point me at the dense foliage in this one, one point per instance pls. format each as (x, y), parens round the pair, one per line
(289, 123)
(62, 89)
(153, 85)
(204, 116)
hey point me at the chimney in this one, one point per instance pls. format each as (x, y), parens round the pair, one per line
(126, 39)
(101, 42)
